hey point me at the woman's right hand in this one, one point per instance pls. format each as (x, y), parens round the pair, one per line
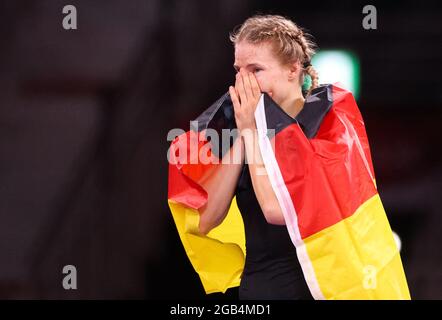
(245, 97)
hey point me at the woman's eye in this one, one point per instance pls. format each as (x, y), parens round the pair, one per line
(257, 70)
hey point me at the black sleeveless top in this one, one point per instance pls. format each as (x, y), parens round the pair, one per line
(272, 269)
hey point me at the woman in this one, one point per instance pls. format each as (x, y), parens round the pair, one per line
(272, 55)
(312, 218)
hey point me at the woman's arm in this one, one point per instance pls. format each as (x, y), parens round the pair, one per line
(245, 97)
(221, 187)
(260, 180)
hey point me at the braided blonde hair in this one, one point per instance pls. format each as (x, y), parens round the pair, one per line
(289, 41)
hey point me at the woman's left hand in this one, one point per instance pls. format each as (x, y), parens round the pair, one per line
(245, 96)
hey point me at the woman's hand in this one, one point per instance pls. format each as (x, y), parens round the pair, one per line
(245, 96)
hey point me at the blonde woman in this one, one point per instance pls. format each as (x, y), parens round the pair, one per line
(272, 55)
(313, 223)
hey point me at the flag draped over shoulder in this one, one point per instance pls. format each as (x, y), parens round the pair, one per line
(219, 256)
(321, 171)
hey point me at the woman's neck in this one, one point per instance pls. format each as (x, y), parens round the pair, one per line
(294, 103)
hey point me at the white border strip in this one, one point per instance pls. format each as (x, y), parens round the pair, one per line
(284, 199)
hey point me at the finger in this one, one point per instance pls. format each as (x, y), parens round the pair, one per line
(247, 84)
(239, 86)
(234, 97)
(255, 86)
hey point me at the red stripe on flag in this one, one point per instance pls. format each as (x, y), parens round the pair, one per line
(186, 170)
(326, 176)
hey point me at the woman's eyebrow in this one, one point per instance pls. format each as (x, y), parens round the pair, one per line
(248, 66)
(255, 64)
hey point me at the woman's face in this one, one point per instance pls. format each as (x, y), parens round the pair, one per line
(273, 77)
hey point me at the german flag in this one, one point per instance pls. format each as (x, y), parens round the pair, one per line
(321, 171)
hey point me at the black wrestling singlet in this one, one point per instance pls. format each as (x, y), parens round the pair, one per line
(272, 269)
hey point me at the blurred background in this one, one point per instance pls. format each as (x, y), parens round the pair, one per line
(84, 116)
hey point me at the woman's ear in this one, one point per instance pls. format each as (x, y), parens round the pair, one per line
(294, 69)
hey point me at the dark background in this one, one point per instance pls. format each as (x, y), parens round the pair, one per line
(84, 116)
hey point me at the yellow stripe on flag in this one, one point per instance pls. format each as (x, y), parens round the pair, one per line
(218, 257)
(357, 258)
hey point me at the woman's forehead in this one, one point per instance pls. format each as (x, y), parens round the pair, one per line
(249, 53)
